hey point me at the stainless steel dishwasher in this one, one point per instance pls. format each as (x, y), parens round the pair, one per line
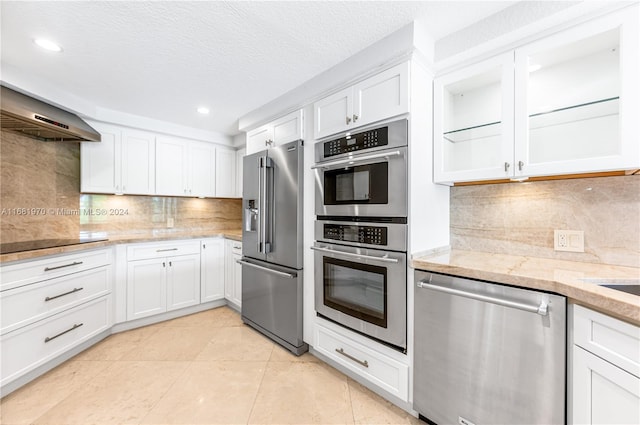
(487, 353)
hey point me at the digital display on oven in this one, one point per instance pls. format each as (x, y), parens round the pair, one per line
(356, 142)
(371, 235)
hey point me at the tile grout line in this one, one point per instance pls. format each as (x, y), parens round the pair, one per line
(255, 398)
(353, 414)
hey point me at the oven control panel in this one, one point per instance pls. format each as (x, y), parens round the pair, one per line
(372, 235)
(357, 142)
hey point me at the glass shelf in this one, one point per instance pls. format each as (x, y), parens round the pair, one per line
(569, 114)
(474, 133)
(574, 113)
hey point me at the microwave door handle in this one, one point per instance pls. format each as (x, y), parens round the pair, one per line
(349, 254)
(357, 160)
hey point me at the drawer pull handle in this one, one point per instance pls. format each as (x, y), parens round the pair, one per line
(165, 250)
(62, 295)
(51, 338)
(350, 357)
(75, 263)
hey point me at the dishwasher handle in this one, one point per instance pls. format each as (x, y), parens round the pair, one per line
(542, 309)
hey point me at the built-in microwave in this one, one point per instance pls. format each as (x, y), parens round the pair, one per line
(363, 174)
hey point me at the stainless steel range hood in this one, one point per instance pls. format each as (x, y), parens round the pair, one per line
(34, 118)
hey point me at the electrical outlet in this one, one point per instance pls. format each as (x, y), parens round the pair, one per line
(169, 222)
(568, 240)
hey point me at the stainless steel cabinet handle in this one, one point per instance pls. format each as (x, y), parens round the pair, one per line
(350, 357)
(348, 120)
(51, 338)
(62, 295)
(266, 269)
(349, 254)
(506, 167)
(165, 250)
(352, 161)
(75, 263)
(542, 309)
(355, 118)
(520, 165)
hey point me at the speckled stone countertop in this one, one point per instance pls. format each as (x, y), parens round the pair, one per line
(575, 280)
(235, 235)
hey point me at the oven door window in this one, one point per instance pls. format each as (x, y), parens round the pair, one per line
(363, 184)
(356, 289)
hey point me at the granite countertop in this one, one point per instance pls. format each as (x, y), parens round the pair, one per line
(559, 276)
(235, 235)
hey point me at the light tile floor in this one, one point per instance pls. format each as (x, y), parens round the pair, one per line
(206, 368)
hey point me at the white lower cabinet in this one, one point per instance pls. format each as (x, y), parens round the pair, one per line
(605, 384)
(233, 273)
(157, 282)
(31, 346)
(212, 265)
(373, 365)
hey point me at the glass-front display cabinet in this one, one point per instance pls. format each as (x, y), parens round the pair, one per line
(473, 121)
(566, 104)
(576, 102)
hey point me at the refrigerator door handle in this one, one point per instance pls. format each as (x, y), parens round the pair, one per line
(269, 204)
(260, 204)
(266, 269)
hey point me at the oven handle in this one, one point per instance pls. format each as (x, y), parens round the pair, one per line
(352, 161)
(349, 254)
(542, 309)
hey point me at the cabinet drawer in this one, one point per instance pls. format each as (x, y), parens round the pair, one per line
(611, 339)
(36, 344)
(383, 371)
(236, 248)
(28, 272)
(30, 303)
(159, 250)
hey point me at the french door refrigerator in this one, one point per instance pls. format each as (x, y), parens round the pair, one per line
(272, 244)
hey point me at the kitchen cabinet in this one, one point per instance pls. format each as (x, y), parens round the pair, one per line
(233, 274)
(50, 306)
(605, 387)
(381, 96)
(278, 132)
(225, 173)
(162, 277)
(124, 162)
(212, 270)
(240, 153)
(565, 104)
(185, 168)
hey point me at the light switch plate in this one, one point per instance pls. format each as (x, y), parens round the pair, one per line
(568, 240)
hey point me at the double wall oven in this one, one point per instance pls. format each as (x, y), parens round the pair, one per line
(361, 232)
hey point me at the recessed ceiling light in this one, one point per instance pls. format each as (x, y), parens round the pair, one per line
(202, 110)
(47, 45)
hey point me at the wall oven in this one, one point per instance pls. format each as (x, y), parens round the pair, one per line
(361, 278)
(363, 174)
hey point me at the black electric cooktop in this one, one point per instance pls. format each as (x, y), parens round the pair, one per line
(631, 289)
(13, 247)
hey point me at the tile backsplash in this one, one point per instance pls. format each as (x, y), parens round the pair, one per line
(519, 218)
(40, 199)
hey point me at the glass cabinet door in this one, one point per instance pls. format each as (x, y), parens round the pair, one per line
(571, 92)
(473, 122)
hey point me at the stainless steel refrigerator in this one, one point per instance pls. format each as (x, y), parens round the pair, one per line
(272, 244)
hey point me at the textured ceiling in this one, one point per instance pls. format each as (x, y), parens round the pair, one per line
(163, 59)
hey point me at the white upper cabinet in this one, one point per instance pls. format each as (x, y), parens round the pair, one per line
(171, 169)
(278, 132)
(100, 162)
(225, 173)
(382, 96)
(185, 168)
(240, 153)
(565, 104)
(473, 121)
(576, 102)
(124, 162)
